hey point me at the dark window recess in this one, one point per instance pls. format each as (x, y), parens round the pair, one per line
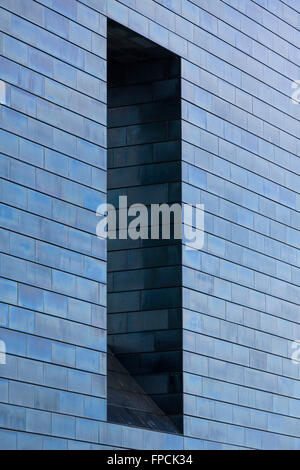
(144, 276)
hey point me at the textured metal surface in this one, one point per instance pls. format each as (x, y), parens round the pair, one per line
(126, 46)
(240, 157)
(128, 403)
(144, 164)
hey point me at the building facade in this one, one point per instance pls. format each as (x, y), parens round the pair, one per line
(207, 338)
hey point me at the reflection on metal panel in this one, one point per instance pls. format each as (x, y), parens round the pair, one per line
(128, 403)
